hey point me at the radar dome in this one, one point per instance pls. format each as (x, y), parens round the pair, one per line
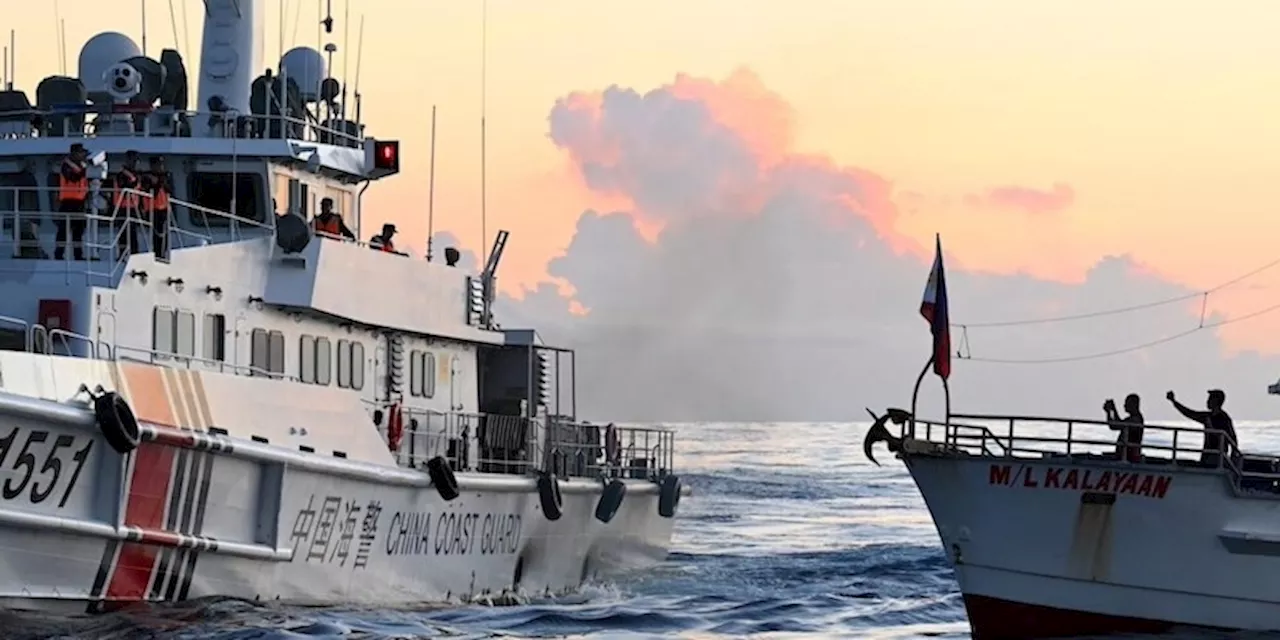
(306, 67)
(101, 53)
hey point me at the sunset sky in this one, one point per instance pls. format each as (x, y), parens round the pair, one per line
(1036, 137)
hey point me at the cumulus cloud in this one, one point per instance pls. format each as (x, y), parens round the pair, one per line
(1025, 199)
(779, 289)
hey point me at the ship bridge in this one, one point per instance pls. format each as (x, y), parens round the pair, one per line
(254, 147)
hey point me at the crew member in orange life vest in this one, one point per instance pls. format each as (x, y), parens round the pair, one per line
(126, 204)
(159, 183)
(382, 241)
(329, 222)
(73, 192)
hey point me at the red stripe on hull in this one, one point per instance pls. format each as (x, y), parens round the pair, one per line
(997, 619)
(148, 493)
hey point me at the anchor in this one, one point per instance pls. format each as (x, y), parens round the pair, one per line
(879, 433)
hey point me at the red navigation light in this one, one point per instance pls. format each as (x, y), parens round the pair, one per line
(386, 155)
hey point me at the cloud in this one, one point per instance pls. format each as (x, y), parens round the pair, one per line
(779, 288)
(1025, 199)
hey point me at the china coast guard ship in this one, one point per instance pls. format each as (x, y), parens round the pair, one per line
(263, 411)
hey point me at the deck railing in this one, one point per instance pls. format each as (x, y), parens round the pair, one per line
(508, 444)
(1010, 436)
(166, 122)
(30, 229)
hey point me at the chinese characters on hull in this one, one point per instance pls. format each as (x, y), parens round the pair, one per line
(324, 533)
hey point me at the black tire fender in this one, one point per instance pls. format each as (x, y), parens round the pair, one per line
(116, 422)
(669, 496)
(549, 496)
(442, 477)
(610, 500)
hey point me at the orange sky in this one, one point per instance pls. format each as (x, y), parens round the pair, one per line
(1154, 118)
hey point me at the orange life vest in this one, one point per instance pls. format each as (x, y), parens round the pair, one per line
(73, 190)
(386, 245)
(332, 225)
(126, 180)
(160, 195)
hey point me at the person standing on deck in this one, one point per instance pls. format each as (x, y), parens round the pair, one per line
(382, 241)
(329, 223)
(159, 183)
(1129, 442)
(126, 203)
(73, 192)
(1215, 419)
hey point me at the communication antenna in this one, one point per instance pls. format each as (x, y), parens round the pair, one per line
(346, 56)
(283, 15)
(484, 61)
(13, 59)
(431, 187)
(173, 24)
(297, 20)
(186, 29)
(59, 27)
(144, 26)
(359, 59)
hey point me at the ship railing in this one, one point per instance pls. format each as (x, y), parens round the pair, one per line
(191, 361)
(103, 121)
(591, 450)
(209, 219)
(59, 342)
(24, 212)
(23, 216)
(1010, 436)
(508, 444)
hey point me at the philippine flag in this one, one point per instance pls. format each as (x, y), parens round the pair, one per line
(934, 309)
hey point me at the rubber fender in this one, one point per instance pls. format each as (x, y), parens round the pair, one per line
(116, 421)
(549, 496)
(669, 496)
(610, 500)
(442, 477)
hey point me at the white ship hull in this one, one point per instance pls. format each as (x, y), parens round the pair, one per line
(194, 513)
(1057, 547)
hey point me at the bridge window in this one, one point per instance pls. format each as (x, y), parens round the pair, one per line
(422, 374)
(282, 196)
(215, 337)
(267, 353)
(351, 364)
(214, 190)
(19, 192)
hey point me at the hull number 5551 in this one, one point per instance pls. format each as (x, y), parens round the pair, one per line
(40, 469)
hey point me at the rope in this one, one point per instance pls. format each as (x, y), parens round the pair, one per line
(1129, 349)
(1128, 309)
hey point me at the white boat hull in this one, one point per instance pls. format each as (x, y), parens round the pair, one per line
(191, 514)
(1059, 547)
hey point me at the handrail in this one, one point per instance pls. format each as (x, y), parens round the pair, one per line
(227, 125)
(962, 438)
(222, 366)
